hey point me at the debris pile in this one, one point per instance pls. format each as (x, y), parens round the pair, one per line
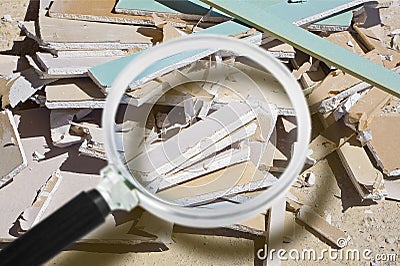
(52, 141)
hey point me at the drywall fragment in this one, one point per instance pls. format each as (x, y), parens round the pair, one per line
(12, 155)
(104, 75)
(234, 137)
(188, 10)
(69, 67)
(332, 103)
(60, 124)
(25, 85)
(329, 140)
(367, 180)
(385, 143)
(169, 31)
(102, 11)
(113, 231)
(279, 49)
(192, 141)
(233, 180)
(19, 87)
(92, 53)
(275, 230)
(35, 135)
(8, 65)
(334, 83)
(61, 34)
(32, 215)
(319, 226)
(74, 93)
(367, 107)
(206, 166)
(393, 189)
(345, 40)
(336, 23)
(345, 107)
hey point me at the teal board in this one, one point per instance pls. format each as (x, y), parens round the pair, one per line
(310, 43)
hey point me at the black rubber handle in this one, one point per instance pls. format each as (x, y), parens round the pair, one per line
(68, 224)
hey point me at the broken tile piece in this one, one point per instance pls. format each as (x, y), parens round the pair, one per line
(12, 156)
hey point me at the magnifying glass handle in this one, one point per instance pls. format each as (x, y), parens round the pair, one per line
(69, 223)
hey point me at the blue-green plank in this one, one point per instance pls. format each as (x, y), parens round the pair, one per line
(317, 47)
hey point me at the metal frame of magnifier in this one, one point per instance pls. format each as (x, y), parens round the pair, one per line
(120, 191)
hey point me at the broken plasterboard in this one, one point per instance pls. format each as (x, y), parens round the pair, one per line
(233, 180)
(190, 142)
(108, 233)
(206, 166)
(8, 65)
(12, 156)
(32, 215)
(183, 9)
(60, 124)
(104, 75)
(35, 135)
(102, 11)
(367, 180)
(374, 116)
(62, 34)
(69, 67)
(74, 93)
(20, 86)
(393, 189)
(329, 140)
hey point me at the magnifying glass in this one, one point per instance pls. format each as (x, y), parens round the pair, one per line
(190, 153)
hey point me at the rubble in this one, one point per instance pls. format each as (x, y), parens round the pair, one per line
(233, 145)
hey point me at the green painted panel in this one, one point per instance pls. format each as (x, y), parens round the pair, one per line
(310, 43)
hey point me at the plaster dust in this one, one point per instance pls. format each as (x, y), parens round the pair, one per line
(377, 229)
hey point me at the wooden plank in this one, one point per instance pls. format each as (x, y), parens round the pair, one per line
(311, 44)
(104, 75)
(102, 11)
